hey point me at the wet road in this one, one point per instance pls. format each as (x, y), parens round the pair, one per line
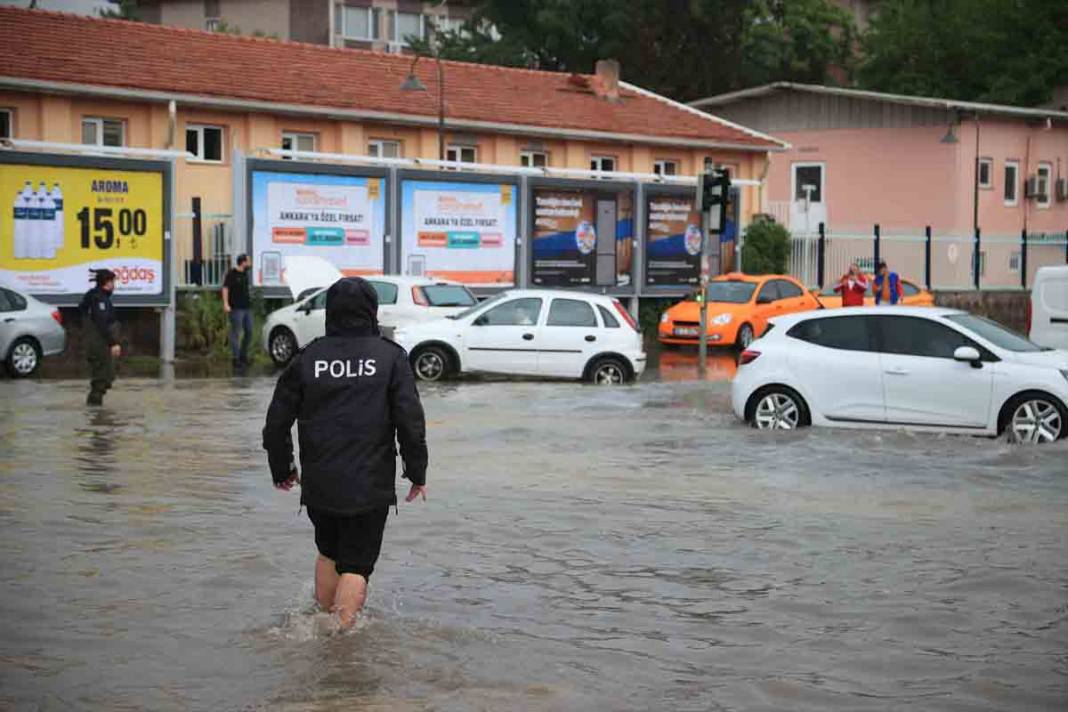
(581, 549)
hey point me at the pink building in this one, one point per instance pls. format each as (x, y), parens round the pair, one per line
(860, 158)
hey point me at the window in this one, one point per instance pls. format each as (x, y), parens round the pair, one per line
(606, 164)
(730, 292)
(103, 132)
(461, 154)
(666, 168)
(404, 25)
(1042, 184)
(994, 333)
(610, 322)
(909, 289)
(982, 263)
(204, 142)
(358, 23)
(293, 141)
(447, 295)
(769, 292)
(789, 290)
(533, 159)
(1012, 178)
(318, 301)
(571, 312)
(518, 312)
(1014, 261)
(913, 336)
(848, 333)
(11, 301)
(386, 291)
(382, 148)
(808, 179)
(986, 173)
(7, 124)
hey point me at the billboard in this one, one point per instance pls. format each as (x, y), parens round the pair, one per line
(582, 237)
(459, 230)
(672, 241)
(340, 218)
(64, 217)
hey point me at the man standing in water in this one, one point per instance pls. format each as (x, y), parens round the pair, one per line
(237, 304)
(101, 335)
(353, 395)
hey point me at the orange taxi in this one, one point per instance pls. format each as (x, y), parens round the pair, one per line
(739, 306)
(912, 295)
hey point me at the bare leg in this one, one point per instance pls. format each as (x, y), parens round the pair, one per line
(351, 594)
(326, 579)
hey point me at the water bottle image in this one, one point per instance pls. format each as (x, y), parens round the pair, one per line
(19, 228)
(33, 225)
(46, 236)
(58, 225)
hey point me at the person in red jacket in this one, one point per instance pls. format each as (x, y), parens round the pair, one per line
(853, 285)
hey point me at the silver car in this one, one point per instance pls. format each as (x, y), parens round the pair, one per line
(29, 331)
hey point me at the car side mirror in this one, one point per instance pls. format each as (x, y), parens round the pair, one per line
(968, 354)
(764, 300)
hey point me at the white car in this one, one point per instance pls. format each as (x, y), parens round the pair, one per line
(401, 301)
(922, 368)
(1049, 307)
(531, 332)
(29, 331)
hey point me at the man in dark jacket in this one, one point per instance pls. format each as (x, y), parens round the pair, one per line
(101, 335)
(353, 396)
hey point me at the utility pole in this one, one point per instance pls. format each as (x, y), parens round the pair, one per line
(713, 192)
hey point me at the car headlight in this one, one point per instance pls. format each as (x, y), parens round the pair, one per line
(722, 319)
(664, 318)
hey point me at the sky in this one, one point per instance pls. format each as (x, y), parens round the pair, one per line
(82, 7)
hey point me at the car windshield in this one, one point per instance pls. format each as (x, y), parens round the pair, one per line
(995, 333)
(471, 310)
(449, 295)
(728, 292)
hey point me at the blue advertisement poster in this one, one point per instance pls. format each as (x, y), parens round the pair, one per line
(339, 218)
(566, 244)
(673, 241)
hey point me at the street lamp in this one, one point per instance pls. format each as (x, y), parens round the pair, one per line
(412, 83)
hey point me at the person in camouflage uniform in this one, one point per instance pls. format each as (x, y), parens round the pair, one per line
(101, 335)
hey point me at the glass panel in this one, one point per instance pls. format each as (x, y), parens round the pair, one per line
(788, 290)
(848, 333)
(448, 295)
(212, 144)
(306, 142)
(18, 302)
(730, 292)
(995, 333)
(5, 124)
(571, 312)
(391, 149)
(518, 312)
(372, 149)
(984, 173)
(387, 292)
(909, 289)
(192, 142)
(89, 132)
(287, 142)
(4, 303)
(357, 23)
(808, 175)
(770, 291)
(112, 133)
(610, 322)
(408, 26)
(912, 336)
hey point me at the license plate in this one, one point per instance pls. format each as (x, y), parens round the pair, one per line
(691, 331)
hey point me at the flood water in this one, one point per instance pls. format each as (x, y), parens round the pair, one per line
(581, 548)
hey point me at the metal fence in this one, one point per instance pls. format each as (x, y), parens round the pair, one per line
(937, 261)
(207, 248)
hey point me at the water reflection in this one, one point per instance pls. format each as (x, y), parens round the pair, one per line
(682, 364)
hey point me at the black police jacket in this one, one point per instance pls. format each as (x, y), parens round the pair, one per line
(96, 306)
(353, 396)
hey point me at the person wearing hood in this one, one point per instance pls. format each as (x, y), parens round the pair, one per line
(353, 395)
(101, 335)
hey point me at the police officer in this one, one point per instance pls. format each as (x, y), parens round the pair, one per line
(101, 335)
(353, 395)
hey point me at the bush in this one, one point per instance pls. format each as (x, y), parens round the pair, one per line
(766, 249)
(204, 329)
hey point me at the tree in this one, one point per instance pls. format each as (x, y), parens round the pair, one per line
(120, 10)
(1000, 51)
(766, 249)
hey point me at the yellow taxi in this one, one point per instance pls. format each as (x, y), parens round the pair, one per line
(739, 306)
(912, 295)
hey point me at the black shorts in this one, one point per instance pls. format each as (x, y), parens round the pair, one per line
(351, 541)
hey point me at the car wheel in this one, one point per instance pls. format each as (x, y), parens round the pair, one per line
(282, 346)
(779, 408)
(745, 336)
(1034, 418)
(24, 358)
(431, 363)
(608, 372)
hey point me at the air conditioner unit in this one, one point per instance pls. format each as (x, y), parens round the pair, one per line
(1062, 189)
(1031, 188)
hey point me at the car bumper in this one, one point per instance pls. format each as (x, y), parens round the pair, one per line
(717, 335)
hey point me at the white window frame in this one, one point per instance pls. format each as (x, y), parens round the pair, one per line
(1047, 168)
(396, 38)
(989, 163)
(98, 123)
(294, 139)
(526, 158)
(199, 129)
(455, 153)
(375, 146)
(212, 24)
(1015, 200)
(372, 22)
(822, 165)
(660, 165)
(10, 113)
(597, 162)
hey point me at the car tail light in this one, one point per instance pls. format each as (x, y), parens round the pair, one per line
(625, 314)
(419, 298)
(748, 356)
(57, 316)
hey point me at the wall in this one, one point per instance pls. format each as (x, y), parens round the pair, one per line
(271, 17)
(1005, 307)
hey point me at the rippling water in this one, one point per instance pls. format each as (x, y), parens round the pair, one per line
(581, 549)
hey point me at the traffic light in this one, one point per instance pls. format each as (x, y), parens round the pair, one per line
(713, 193)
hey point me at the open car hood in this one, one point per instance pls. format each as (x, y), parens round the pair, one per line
(303, 273)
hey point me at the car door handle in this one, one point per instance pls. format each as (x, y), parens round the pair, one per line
(9, 320)
(528, 337)
(591, 338)
(897, 371)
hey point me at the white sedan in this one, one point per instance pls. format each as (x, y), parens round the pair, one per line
(892, 367)
(401, 301)
(531, 332)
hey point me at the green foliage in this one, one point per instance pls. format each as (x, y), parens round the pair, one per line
(119, 10)
(203, 329)
(649, 311)
(1000, 51)
(766, 249)
(225, 28)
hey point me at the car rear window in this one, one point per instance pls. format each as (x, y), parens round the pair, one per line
(13, 301)
(571, 312)
(610, 322)
(448, 295)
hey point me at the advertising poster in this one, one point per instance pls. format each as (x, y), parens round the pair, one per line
(460, 231)
(338, 218)
(673, 241)
(565, 240)
(58, 223)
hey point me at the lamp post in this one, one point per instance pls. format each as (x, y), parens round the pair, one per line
(412, 83)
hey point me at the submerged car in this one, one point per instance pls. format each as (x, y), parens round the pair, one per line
(739, 307)
(923, 368)
(530, 332)
(29, 331)
(913, 295)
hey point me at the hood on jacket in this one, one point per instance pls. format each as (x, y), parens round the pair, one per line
(351, 308)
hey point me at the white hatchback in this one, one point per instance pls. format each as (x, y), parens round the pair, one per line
(531, 332)
(912, 367)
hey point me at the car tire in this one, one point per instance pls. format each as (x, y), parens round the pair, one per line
(1033, 417)
(608, 371)
(777, 408)
(745, 336)
(282, 346)
(431, 364)
(24, 357)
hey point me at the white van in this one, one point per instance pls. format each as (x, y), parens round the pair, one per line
(1049, 308)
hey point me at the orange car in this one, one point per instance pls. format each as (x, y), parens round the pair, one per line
(913, 296)
(739, 306)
